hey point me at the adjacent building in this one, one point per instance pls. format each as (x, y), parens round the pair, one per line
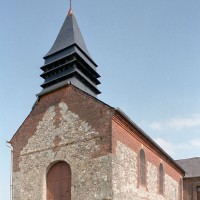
(191, 181)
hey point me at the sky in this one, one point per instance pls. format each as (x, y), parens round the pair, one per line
(147, 54)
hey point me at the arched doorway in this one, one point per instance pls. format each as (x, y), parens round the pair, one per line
(59, 182)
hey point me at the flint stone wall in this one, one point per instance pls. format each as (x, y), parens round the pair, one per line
(73, 141)
(83, 140)
(125, 178)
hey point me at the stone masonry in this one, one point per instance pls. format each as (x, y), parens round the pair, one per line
(100, 146)
(73, 141)
(126, 144)
(125, 169)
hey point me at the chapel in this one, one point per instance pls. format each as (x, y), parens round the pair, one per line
(72, 146)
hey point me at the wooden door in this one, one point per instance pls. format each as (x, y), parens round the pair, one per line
(59, 182)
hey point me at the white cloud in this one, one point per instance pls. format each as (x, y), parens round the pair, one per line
(195, 143)
(170, 148)
(188, 122)
(156, 126)
(177, 123)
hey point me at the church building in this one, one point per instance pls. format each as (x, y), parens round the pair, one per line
(72, 146)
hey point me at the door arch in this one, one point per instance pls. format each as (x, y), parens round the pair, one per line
(59, 182)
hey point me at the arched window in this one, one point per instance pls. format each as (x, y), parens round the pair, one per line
(142, 168)
(181, 189)
(59, 182)
(161, 179)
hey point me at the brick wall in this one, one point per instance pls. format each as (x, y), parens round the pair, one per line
(66, 125)
(190, 188)
(85, 106)
(126, 145)
(102, 151)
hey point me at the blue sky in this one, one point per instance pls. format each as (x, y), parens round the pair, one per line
(148, 57)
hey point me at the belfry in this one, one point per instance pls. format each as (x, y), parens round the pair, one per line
(72, 146)
(69, 61)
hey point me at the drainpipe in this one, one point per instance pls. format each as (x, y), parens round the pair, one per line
(11, 168)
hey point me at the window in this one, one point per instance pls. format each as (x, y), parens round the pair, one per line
(198, 193)
(181, 189)
(142, 168)
(59, 182)
(161, 179)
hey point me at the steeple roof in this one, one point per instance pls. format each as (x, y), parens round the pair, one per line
(69, 61)
(69, 34)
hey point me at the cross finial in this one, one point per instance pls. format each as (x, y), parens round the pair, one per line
(70, 9)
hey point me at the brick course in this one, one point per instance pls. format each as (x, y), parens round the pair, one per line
(125, 136)
(100, 146)
(74, 141)
(85, 106)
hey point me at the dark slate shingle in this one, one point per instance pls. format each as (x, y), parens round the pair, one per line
(69, 34)
(191, 166)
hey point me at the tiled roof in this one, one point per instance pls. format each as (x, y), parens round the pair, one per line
(191, 166)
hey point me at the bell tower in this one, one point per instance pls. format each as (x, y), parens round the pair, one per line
(68, 61)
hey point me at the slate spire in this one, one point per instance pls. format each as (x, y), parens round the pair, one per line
(68, 61)
(69, 34)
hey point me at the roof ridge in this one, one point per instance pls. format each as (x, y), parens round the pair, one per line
(188, 158)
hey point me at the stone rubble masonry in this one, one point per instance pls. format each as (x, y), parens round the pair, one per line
(67, 125)
(126, 144)
(88, 109)
(124, 169)
(74, 141)
(101, 149)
